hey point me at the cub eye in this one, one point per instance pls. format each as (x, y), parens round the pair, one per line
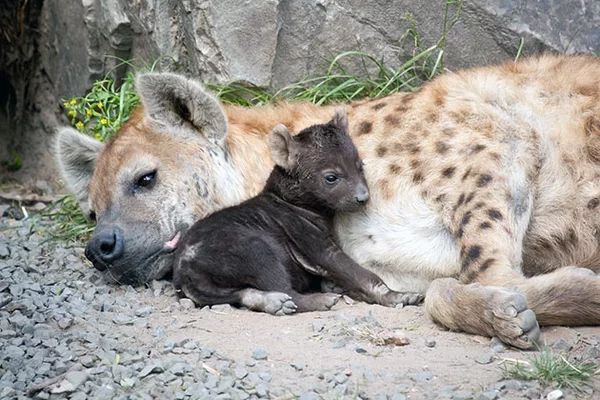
(146, 180)
(331, 178)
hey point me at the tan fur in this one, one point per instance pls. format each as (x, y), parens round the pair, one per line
(487, 176)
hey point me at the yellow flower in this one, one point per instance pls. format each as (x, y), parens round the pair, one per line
(98, 136)
(79, 125)
(88, 112)
(73, 102)
(100, 105)
(72, 113)
(103, 121)
(66, 104)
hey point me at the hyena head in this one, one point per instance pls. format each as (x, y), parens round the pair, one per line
(167, 167)
(319, 168)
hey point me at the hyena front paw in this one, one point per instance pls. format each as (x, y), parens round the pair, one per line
(394, 299)
(277, 303)
(513, 322)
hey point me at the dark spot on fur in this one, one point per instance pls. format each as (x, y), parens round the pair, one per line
(394, 169)
(461, 200)
(460, 233)
(494, 214)
(448, 172)
(401, 109)
(593, 203)
(398, 147)
(382, 151)
(495, 156)
(466, 218)
(392, 119)
(466, 174)
(440, 198)
(474, 252)
(365, 127)
(441, 147)
(476, 149)
(486, 264)
(469, 198)
(485, 225)
(432, 118)
(483, 180)
(378, 106)
(417, 177)
(413, 148)
(479, 205)
(415, 163)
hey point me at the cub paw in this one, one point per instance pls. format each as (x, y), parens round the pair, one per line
(513, 322)
(394, 299)
(324, 301)
(277, 303)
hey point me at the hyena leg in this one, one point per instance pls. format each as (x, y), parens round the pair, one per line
(200, 289)
(489, 230)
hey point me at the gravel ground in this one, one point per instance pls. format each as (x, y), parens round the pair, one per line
(67, 332)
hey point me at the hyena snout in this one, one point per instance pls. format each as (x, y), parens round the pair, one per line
(105, 247)
(361, 195)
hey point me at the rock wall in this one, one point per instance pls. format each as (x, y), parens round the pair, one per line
(67, 44)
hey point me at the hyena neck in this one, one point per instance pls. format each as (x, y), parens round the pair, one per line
(247, 138)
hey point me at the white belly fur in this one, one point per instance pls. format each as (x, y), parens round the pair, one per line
(402, 240)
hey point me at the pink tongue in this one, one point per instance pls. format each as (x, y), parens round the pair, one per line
(172, 244)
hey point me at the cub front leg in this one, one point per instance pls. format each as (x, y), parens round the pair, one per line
(360, 283)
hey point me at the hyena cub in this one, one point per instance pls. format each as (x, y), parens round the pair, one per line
(271, 251)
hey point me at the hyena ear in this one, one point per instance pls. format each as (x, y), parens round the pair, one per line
(282, 147)
(340, 119)
(76, 156)
(173, 100)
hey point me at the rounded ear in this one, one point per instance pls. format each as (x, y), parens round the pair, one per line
(76, 156)
(340, 119)
(282, 147)
(173, 100)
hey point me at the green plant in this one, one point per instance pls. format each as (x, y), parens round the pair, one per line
(550, 368)
(67, 222)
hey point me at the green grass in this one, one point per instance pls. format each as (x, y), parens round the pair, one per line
(550, 368)
(67, 222)
(108, 105)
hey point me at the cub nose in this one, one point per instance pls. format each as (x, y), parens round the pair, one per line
(362, 195)
(105, 245)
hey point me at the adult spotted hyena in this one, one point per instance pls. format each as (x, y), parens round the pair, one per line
(485, 187)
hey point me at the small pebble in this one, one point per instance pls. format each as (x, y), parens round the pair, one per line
(259, 354)
(430, 342)
(555, 395)
(485, 358)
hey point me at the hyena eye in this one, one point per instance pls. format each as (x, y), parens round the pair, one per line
(331, 178)
(145, 181)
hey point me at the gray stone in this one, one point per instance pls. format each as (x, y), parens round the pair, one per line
(489, 395)
(298, 366)
(240, 373)
(422, 376)
(186, 304)
(562, 345)
(398, 396)
(318, 326)
(143, 312)
(485, 358)
(259, 354)
(309, 396)
(430, 342)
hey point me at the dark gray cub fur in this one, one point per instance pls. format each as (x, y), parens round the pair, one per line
(271, 252)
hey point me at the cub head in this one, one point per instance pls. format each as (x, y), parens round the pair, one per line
(167, 167)
(320, 167)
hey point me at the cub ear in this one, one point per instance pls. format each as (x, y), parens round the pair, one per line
(340, 119)
(76, 156)
(172, 99)
(282, 147)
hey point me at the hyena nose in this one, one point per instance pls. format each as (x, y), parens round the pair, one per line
(105, 247)
(362, 195)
